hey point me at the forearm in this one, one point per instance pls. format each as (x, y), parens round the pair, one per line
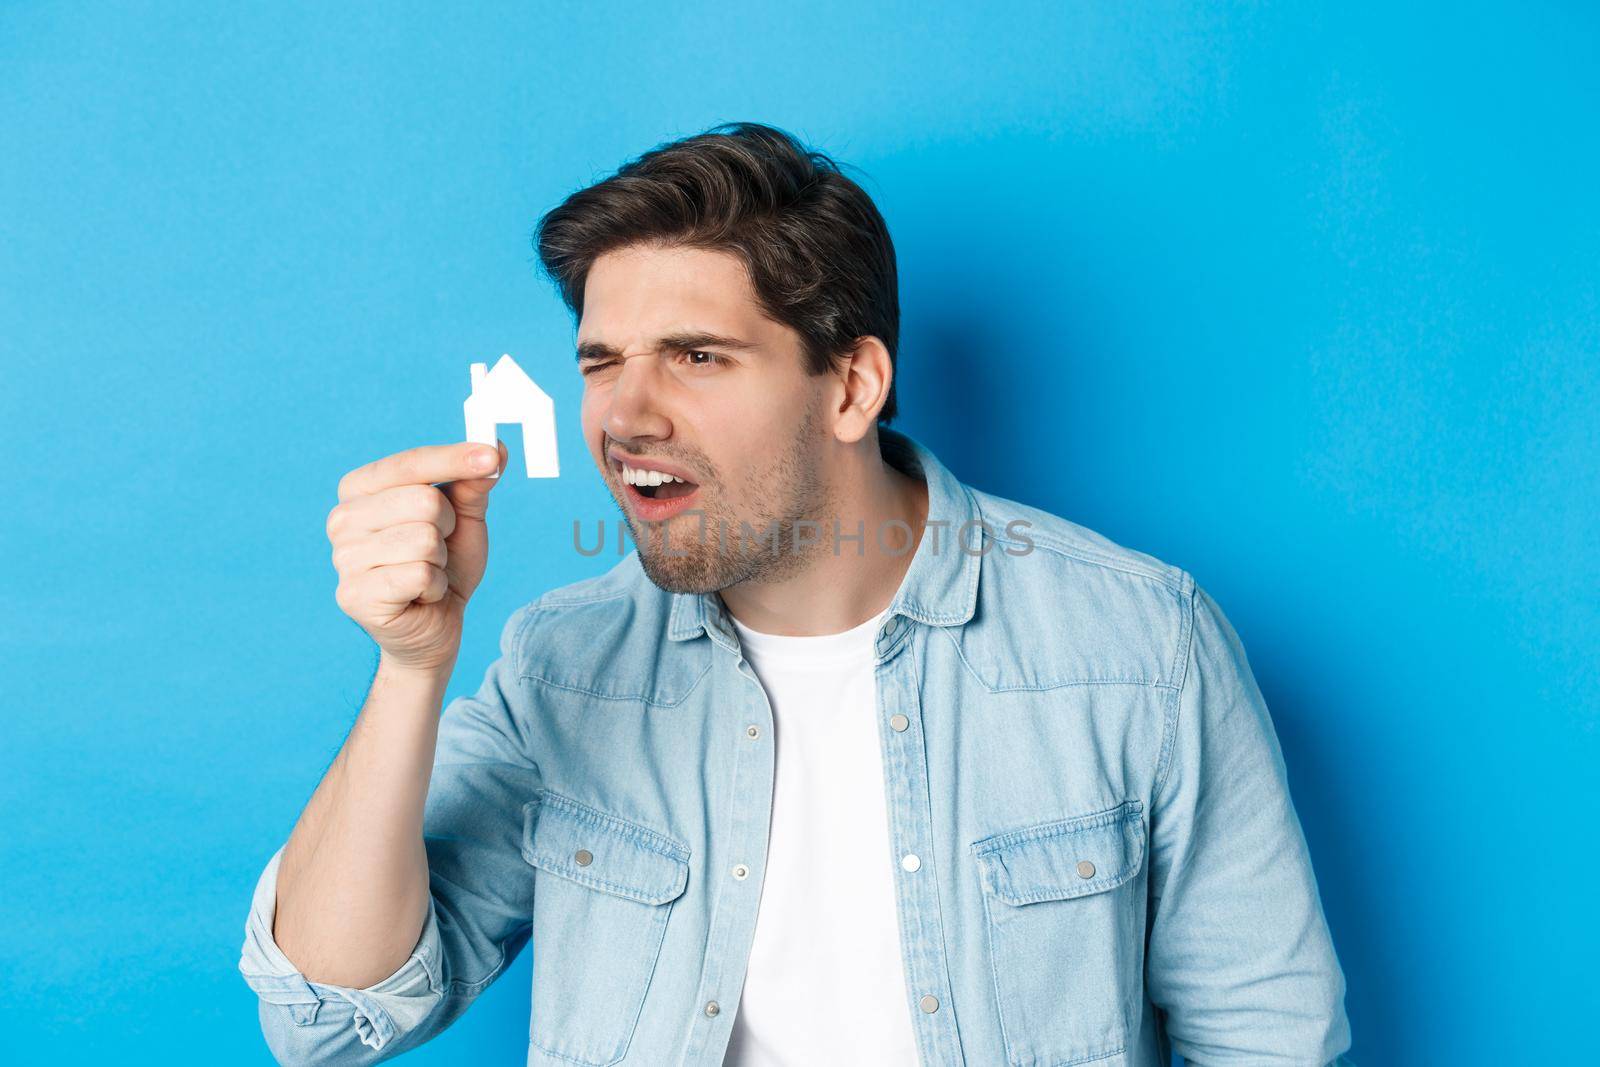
(353, 881)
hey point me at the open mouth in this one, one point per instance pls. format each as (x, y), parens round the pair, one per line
(666, 490)
(655, 495)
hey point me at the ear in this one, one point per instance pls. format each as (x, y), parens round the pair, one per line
(865, 376)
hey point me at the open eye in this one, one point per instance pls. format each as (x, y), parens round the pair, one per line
(711, 358)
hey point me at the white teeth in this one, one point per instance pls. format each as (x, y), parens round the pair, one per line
(631, 476)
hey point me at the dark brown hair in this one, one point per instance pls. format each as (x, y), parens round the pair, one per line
(816, 250)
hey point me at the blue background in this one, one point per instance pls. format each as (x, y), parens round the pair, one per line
(1303, 301)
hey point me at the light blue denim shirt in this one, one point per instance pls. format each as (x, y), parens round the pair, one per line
(1074, 746)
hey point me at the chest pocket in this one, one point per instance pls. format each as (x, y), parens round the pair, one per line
(1065, 919)
(603, 888)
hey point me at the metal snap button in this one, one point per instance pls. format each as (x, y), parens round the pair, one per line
(752, 731)
(899, 722)
(712, 1008)
(910, 861)
(929, 1003)
(740, 871)
(1085, 869)
(583, 857)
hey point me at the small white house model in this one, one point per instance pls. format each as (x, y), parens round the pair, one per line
(507, 394)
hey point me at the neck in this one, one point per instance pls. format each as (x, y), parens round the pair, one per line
(834, 592)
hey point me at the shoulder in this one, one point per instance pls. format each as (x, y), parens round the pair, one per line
(1074, 547)
(1069, 604)
(601, 636)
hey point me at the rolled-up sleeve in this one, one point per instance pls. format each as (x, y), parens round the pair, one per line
(296, 1018)
(480, 901)
(1240, 958)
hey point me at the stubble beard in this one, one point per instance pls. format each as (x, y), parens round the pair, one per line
(710, 551)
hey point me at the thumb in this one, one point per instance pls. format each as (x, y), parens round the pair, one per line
(470, 496)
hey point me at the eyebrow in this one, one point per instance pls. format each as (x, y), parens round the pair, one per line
(669, 343)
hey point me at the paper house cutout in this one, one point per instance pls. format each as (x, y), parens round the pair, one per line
(507, 394)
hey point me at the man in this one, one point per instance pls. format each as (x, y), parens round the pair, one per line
(847, 762)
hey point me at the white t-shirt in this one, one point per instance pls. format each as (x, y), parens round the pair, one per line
(826, 982)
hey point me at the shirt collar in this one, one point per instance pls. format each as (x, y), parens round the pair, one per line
(940, 587)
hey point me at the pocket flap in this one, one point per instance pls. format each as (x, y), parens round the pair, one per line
(601, 851)
(1065, 858)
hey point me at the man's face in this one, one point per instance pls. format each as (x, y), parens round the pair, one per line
(738, 417)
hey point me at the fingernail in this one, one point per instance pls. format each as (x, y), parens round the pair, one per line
(484, 460)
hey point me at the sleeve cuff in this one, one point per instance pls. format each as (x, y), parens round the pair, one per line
(378, 1012)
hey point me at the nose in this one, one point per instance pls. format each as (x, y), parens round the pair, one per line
(634, 409)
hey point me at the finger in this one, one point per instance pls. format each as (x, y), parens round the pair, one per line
(393, 507)
(408, 542)
(423, 465)
(398, 584)
(438, 586)
(470, 497)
